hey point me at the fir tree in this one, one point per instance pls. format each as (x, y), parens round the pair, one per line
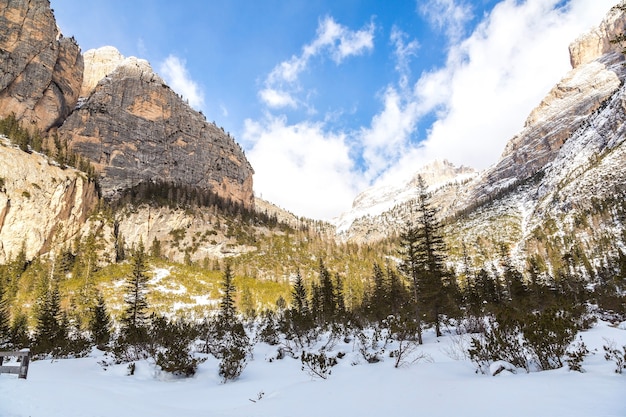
(50, 333)
(4, 318)
(100, 324)
(234, 344)
(136, 288)
(132, 342)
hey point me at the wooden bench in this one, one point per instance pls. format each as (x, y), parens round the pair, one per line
(22, 369)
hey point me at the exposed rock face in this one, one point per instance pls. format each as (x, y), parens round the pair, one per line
(597, 42)
(40, 71)
(135, 128)
(98, 64)
(574, 138)
(41, 205)
(379, 210)
(597, 75)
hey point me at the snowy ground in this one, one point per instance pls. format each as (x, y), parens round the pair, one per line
(442, 385)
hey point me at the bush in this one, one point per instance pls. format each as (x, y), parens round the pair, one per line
(501, 341)
(172, 345)
(576, 356)
(317, 364)
(612, 353)
(547, 336)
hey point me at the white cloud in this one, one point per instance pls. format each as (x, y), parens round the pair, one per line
(448, 16)
(493, 79)
(480, 98)
(301, 167)
(276, 98)
(175, 73)
(333, 39)
(403, 52)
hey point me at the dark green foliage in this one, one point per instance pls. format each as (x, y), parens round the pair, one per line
(235, 346)
(576, 355)
(501, 341)
(50, 333)
(132, 342)
(422, 252)
(136, 288)
(4, 318)
(100, 324)
(547, 335)
(617, 355)
(317, 364)
(536, 339)
(172, 346)
(229, 340)
(19, 337)
(268, 330)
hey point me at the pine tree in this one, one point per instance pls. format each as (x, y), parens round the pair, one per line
(132, 342)
(50, 333)
(423, 251)
(327, 293)
(299, 297)
(100, 324)
(136, 288)
(234, 343)
(4, 318)
(227, 304)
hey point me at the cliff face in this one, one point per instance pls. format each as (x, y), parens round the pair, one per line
(40, 71)
(597, 74)
(135, 128)
(128, 122)
(569, 153)
(41, 205)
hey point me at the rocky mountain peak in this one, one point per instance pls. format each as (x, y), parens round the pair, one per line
(40, 70)
(98, 64)
(128, 123)
(597, 42)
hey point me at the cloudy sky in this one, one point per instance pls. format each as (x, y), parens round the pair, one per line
(329, 97)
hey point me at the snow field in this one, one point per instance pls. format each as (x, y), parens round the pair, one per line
(442, 383)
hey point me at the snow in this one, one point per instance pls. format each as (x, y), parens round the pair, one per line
(444, 385)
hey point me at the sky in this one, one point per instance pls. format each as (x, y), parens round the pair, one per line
(330, 97)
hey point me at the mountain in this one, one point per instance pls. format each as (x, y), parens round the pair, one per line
(115, 111)
(134, 128)
(40, 70)
(558, 187)
(442, 177)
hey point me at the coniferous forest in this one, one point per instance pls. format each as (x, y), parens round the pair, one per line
(304, 287)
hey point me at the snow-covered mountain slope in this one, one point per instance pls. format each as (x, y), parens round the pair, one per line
(560, 182)
(377, 200)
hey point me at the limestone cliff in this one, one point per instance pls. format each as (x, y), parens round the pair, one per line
(597, 74)
(128, 122)
(41, 205)
(135, 128)
(40, 70)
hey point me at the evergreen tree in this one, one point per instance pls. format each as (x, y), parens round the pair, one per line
(4, 318)
(410, 266)
(51, 330)
(19, 337)
(100, 324)
(234, 343)
(132, 342)
(327, 294)
(136, 287)
(299, 297)
(227, 304)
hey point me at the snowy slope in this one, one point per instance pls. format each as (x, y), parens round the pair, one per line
(441, 384)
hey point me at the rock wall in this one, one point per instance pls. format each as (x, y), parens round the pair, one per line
(41, 205)
(135, 128)
(40, 70)
(597, 74)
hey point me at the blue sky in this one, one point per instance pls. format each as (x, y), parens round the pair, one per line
(329, 97)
